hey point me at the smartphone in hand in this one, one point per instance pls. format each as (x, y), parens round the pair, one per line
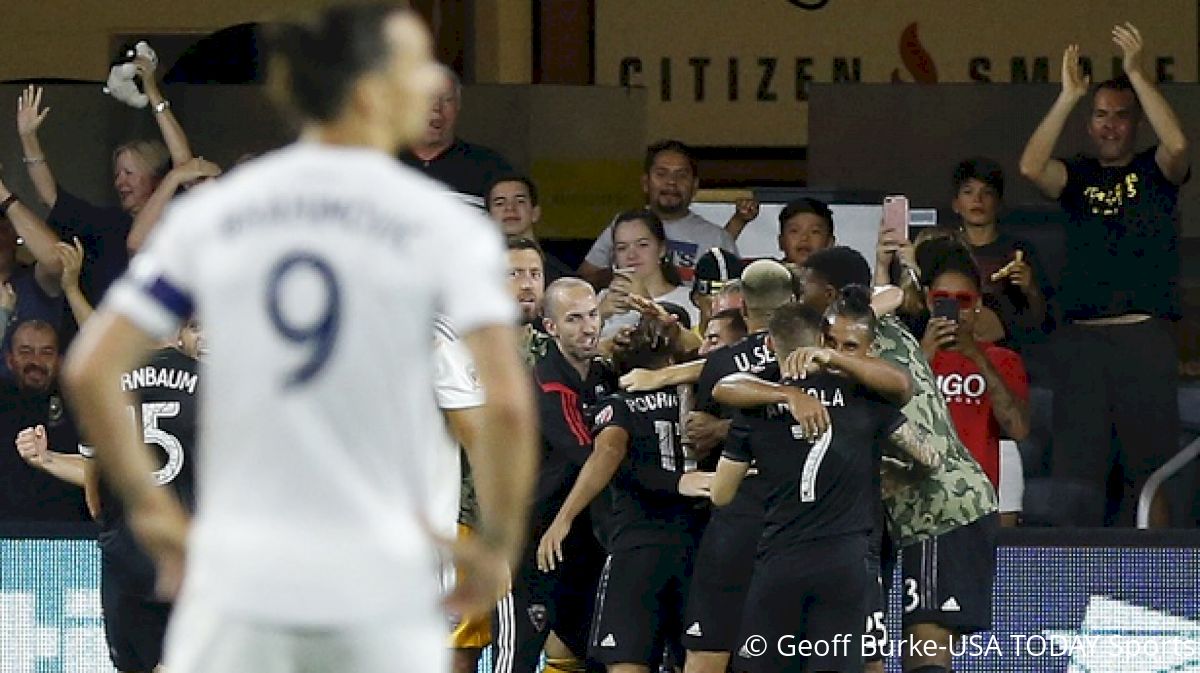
(895, 219)
(945, 307)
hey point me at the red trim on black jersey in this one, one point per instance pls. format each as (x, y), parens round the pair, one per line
(571, 412)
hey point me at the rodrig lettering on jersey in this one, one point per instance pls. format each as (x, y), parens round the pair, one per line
(156, 377)
(755, 361)
(652, 402)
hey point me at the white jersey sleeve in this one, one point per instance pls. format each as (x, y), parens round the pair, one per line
(473, 277)
(454, 382)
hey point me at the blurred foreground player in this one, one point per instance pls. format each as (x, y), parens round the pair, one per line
(311, 548)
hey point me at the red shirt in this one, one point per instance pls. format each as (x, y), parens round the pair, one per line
(970, 403)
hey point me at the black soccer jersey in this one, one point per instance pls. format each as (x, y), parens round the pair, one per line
(647, 507)
(167, 389)
(824, 488)
(750, 355)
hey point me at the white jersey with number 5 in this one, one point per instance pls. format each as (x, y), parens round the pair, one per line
(316, 272)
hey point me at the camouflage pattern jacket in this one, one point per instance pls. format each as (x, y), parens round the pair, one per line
(954, 494)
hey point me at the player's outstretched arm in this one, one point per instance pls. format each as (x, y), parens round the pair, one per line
(886, 379)
(912, 442)
(609, 450)
(107, 345)
(507, 446)
(652, 379)
(726, 480)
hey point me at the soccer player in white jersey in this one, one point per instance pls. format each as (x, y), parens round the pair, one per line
(316, 271)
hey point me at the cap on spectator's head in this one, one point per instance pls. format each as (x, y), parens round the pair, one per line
(766, 284)
(840, 266)
(714, 269)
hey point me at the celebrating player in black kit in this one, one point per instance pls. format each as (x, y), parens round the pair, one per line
(656, 517)
(726, 555)
(551, 607)
(811, 583)
(167, 389)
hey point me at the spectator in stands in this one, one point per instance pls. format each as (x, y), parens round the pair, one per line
(911, 262)
(138, 167)
(526, 278)
(985, 385)
(1014, 285)
(669, 183)
(643, 269)
(805, 226)
(30, 400)
(34, 291)
(512, 200)
(466, 168)
(1119, 284)
(714, 270)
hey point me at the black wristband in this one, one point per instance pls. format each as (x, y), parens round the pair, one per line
(7, 203)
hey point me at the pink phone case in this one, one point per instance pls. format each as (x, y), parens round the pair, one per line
(895, 217)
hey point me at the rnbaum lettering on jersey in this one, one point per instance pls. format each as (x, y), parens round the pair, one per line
(155, 377)
(954, 385)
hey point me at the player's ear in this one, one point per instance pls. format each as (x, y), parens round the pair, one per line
(771, 343)
(549, 327)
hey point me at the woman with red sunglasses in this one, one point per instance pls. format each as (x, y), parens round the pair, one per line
(985, 385)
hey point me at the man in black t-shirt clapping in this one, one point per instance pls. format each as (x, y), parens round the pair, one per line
(1119, 285)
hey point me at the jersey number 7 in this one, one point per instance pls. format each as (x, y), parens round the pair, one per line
(812, 464)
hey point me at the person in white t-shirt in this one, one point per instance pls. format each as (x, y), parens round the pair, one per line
(669, 182)
(643, 268)
(316, 271)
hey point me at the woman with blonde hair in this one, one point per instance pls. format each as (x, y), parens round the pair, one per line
(139, 167)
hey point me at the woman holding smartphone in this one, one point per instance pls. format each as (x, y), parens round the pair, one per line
(641, 267)
(985, 385)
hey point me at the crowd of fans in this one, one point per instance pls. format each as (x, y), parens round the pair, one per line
(631, 349)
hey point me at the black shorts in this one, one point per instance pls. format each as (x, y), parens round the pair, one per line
(559, 601)
(948, 579)
(724, 564)
(804, 610)
(134, 620)
(639, 605)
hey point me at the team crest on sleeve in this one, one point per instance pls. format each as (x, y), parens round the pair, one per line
(537, 616)
(605, 415)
